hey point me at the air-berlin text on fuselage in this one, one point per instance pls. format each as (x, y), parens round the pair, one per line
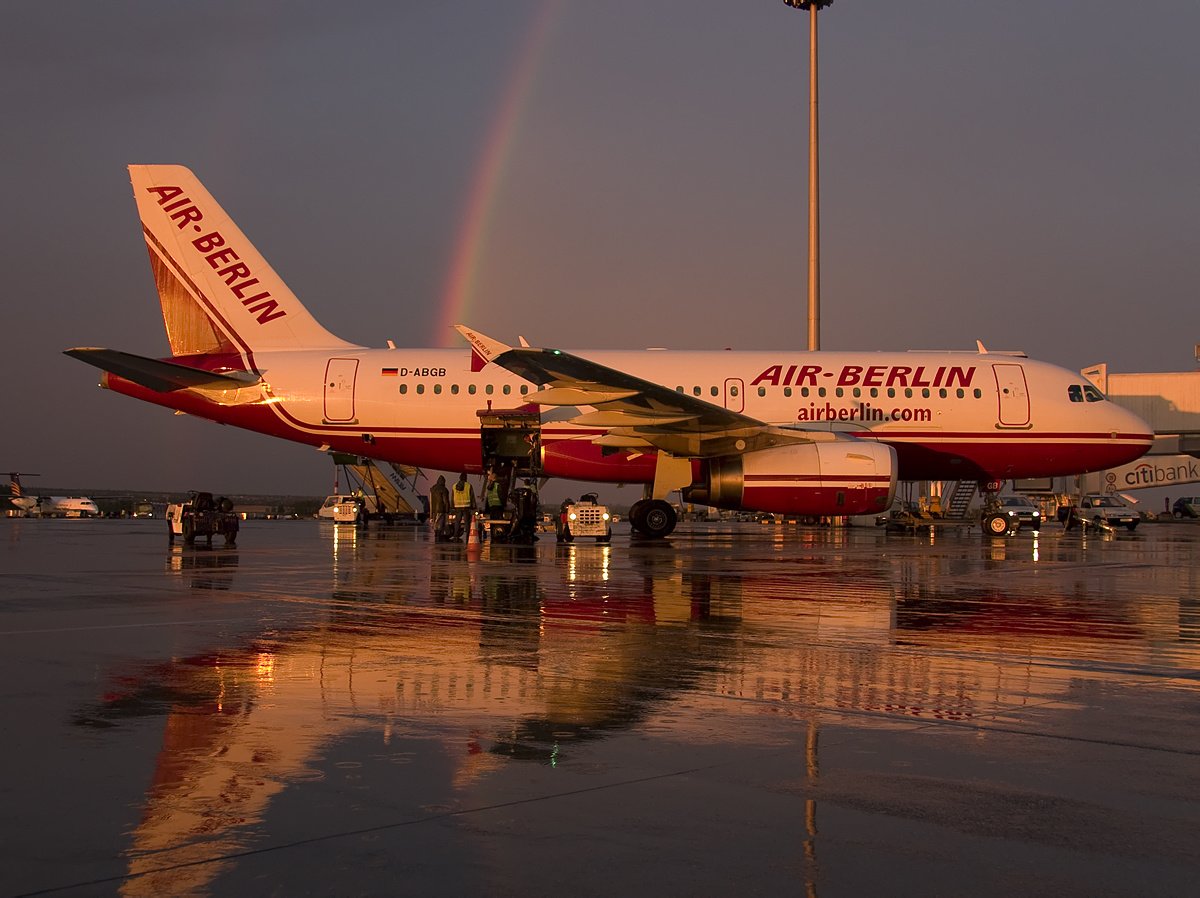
(867, 376)
(222, 258)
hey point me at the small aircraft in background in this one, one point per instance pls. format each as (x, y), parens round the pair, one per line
(49, 506)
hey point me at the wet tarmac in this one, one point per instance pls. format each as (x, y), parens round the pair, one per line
(744, 710)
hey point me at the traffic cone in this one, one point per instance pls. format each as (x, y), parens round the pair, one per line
(473, 542)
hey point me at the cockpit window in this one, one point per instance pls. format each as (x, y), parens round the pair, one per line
(1084, 393)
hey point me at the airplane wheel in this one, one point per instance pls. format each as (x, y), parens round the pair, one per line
(636, 510)
(658, 519)
(996, 524)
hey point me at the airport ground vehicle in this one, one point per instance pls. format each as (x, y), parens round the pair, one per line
(1011, 513)
(343, 509)
(202, 515)
(585, 518)
(1186, 507)
(1107, 512)
(804, 434)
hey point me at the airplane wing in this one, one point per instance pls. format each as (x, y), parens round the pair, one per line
(637, 414)
(161, 377)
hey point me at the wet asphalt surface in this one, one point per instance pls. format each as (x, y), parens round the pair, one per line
(738, 710)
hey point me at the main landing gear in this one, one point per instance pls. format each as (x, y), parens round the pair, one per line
(998, 524)
(653, 518)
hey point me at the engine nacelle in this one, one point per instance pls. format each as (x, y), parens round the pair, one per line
(840, 477)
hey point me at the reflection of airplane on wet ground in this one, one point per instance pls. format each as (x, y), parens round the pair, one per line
(49, 506)
(414, 653)
(804, 433)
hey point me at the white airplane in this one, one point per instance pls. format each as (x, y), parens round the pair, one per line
(808, 433)
(49, 506)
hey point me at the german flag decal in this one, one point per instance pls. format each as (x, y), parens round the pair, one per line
(390, 372)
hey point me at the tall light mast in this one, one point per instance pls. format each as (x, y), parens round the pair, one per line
(814, 218)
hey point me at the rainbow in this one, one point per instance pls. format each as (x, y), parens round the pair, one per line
(485, 188)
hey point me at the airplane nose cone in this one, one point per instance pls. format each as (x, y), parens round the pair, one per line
(1130, 429)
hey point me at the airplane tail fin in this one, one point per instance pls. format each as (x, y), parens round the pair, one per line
(14, 480)
(218, 294)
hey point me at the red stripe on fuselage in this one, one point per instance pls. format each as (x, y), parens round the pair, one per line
(931, 455)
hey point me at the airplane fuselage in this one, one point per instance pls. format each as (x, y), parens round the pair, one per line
(948, 415)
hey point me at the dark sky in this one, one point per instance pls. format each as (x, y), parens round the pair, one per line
(1021, 173)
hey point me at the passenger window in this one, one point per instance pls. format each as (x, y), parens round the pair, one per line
(524, 389)
(471, 389)
(804, 392)
(507, 389)
(961, 393)
(839, 392)
(978, 393)
(821, 392)
(908, 392)
(437, 389)
(925, 393)
(420, 388)
(488, 389)
(454, 389)
(733, 390)
(679, 389)
(715, 391)
(403, 389)
(857, 393)
(874, 393)
(787, 391)
(942, 392)
(891, 392)
(695, 391)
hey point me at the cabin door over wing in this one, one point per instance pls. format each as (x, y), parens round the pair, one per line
(339, 390)
(1014, 395)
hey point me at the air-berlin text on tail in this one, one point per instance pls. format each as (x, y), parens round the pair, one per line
(867, 376)
(222, 258)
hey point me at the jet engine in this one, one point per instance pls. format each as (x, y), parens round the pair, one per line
(839, 477)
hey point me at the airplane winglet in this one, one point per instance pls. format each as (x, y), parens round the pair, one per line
(483, 347)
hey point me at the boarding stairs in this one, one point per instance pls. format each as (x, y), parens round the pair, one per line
(962, 494)
(393, 487)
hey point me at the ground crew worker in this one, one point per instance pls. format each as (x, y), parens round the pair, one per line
(439, 508)
(524, 514)
(463, 499)
(494, 497)
(562, 527)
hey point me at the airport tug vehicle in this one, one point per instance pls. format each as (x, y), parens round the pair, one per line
(202, 515)
(585, 518)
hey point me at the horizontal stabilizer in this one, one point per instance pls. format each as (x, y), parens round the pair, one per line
(161, 377)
